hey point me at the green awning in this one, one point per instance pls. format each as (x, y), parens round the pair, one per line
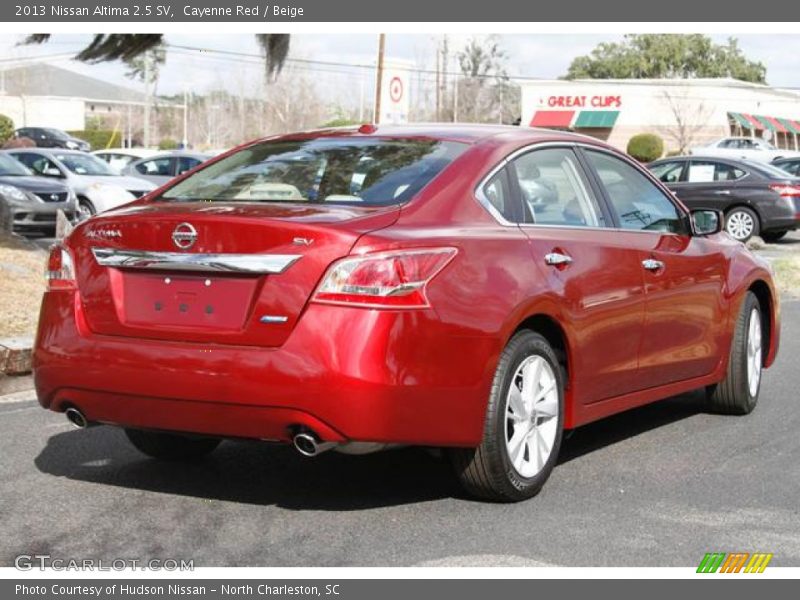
(790, 125)
(741, 120)
(766, 123)
(597, 119)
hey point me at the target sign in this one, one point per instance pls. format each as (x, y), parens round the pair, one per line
(396, 89)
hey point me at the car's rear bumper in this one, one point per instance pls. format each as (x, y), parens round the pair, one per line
(346, 373)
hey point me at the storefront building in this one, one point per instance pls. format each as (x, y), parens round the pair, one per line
(684, 112)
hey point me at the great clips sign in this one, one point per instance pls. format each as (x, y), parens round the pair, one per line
(598, 101)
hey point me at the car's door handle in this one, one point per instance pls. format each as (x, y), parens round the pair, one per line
(726, 192)
(556, 258)
(651, 264)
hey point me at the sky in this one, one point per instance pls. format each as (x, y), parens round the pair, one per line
(540, 56)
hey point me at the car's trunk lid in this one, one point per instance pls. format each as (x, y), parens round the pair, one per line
(244, 280)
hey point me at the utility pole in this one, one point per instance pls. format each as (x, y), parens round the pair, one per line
(185, 119)
(376, 118)
(455, 98)
(445, 64)
(438, 82)
(146, 140)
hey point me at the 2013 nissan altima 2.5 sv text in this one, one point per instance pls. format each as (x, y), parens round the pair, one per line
(359, 289)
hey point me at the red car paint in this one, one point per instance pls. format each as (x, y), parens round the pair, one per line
(418, 376)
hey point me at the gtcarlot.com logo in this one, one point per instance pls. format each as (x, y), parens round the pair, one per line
(28, 562)
(734, 562)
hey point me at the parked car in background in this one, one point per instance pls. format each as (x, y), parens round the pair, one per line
(119, 158)
(34, 201)
(757, 198)
(95, 184)
(161, 168)
(428, 304)
(790, 165)
(743, 147)
(49, 137)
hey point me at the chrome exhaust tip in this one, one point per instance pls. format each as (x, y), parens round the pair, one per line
(76, 417)
(307, 444)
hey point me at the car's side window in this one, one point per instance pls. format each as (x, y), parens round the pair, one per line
(669, 172)
(499, 196)
(554, 191)
(638, 202)
(186, 163)
(704, 171)
(159, 166)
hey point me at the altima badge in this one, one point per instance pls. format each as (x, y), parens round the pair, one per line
(184, 236)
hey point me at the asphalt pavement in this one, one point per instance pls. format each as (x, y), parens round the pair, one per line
(657, 486)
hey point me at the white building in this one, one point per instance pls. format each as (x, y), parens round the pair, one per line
(684, 112)
(43, 95)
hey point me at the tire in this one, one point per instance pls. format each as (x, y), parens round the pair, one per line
(741, 223)
(489, 471)
(737, 394)
(772, 236)
(85, 209)
(170, 446)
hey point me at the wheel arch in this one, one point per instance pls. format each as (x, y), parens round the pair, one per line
(766, 301)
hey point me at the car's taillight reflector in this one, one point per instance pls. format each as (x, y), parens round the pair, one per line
(786, 190)
(383, 279)
(60, 272)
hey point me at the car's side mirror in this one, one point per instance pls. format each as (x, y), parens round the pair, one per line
(706, 222)
(52, 172)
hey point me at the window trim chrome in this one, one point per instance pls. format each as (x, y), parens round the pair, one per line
(178, 261)
(487, 205)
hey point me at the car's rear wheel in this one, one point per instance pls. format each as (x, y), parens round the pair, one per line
(523, 427)
(737, 394)
(773, 236)
(741, 223)
(170, 446)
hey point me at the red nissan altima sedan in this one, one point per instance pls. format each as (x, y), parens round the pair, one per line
(477, 288)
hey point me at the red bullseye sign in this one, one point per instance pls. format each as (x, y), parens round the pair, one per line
(396, 89)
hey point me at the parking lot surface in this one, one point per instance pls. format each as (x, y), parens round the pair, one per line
(657, 486)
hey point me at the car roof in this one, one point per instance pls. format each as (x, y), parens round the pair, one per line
(468, 133)
(171, 154)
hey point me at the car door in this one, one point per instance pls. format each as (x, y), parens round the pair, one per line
(711, 184)
(684, 275)
(596, 280)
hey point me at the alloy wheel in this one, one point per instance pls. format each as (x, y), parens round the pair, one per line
(740, 225)
(532, 406)
(754, 357)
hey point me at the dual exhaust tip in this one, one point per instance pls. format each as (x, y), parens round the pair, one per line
(77, 418)
(307, 444)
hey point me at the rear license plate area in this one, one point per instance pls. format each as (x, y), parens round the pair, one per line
(187, 301)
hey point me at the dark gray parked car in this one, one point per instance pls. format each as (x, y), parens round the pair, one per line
(33, 201)
(790, 165)
(757, 198)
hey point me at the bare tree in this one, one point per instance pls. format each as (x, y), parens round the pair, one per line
(689, 116)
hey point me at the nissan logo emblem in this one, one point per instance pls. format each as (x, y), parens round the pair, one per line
(184, 236)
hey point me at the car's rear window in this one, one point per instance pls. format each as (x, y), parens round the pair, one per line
(363, 171)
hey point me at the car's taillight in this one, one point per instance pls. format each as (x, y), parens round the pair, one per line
(785, 190)
(394, 279)
(60, 272)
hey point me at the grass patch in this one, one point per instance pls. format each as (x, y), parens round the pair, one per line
(21, 286)
(787, 275)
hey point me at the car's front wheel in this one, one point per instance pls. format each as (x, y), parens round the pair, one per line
(741, 223)
(170, 446)
(523, 426)
(737, 394)
(85, 209)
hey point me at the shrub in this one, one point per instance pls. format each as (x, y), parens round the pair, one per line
(646, 147)
(99, 138)
(6, 129)
(168, 144)
(340, 122)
